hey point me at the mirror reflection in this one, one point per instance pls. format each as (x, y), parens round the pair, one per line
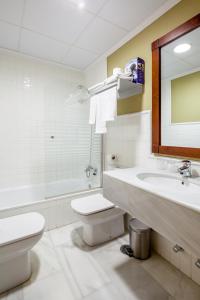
(180, 91)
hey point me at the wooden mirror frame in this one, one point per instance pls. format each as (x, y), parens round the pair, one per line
(156, 91)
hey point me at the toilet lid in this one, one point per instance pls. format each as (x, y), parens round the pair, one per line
(20, 227)
(91, 204)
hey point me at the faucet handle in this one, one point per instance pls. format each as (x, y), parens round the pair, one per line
(185, 169)
(186, 163)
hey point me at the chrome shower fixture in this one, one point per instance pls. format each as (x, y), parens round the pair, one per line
(80, 94)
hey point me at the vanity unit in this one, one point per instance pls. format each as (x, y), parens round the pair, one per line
(160, 200)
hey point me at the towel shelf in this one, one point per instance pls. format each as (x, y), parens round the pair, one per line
(126, 88)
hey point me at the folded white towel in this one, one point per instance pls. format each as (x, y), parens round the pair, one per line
(93, 109)
(103, 108)
(109, 103)
(100, 122)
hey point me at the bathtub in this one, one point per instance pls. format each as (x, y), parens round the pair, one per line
(43, 199)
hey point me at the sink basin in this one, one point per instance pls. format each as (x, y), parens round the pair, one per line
(169, 182)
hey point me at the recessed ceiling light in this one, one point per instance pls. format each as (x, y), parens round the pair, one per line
(81, 5)
(182, 48)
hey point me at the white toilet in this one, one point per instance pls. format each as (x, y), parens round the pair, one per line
(102, 221)
(18, 234)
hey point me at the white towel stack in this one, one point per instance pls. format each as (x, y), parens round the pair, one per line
(103, 108)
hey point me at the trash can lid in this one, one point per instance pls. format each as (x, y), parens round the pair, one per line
(137, 226)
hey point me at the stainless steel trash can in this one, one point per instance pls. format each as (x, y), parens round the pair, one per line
(140, 237)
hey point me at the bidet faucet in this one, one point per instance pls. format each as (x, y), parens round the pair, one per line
(185, 169)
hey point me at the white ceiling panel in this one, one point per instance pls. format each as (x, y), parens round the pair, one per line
(194, 60)
(129, 13)
(9, 36)
(176, 63)
(91, 5)
(58, 19)
(167, 58)
(73, 32)
(79, 58)
(176, 70)
(11, 11)
(100, 36)
(41, 46)
(173, 66)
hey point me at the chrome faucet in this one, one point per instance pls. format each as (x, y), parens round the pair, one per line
(185, 170)
(90, 169)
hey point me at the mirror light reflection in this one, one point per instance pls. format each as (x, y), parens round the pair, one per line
(180, 91)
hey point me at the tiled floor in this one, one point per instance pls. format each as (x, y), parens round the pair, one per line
(64, 268)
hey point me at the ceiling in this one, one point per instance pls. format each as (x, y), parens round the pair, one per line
(176, 64)
(62, 32)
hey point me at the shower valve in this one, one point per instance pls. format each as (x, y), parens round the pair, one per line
(90, 169)
(95, 171)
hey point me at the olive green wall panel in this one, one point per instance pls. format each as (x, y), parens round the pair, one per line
(140, 46)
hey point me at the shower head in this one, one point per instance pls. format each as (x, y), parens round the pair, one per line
(83, 94)
(80, 95)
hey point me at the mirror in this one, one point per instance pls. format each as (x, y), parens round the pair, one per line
(180, 91)
(176, 91)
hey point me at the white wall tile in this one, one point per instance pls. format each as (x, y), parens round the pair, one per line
(35, 105)
(129, 137)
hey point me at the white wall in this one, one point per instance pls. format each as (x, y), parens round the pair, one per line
(96, 73)
(34, 107)
(129, 137)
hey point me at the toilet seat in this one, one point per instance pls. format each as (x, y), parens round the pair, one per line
(20, 227)
(90, 205)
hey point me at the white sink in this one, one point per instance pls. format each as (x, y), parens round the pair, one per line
(169, 182)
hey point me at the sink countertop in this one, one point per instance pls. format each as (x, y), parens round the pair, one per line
(190, 200)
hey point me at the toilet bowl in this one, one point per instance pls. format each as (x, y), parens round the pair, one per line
(102, 221)
(18, 234)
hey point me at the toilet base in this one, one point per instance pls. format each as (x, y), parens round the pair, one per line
(15, 271)
(94, 234)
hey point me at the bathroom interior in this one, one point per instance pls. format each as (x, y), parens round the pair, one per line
(100, 149)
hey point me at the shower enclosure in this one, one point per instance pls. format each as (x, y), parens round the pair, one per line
(48, 149)
(73, 150)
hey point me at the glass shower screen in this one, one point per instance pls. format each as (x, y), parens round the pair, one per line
(72, 149)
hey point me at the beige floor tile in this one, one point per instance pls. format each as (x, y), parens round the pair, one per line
(43, 259)
(54, 287)
(65, 268)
